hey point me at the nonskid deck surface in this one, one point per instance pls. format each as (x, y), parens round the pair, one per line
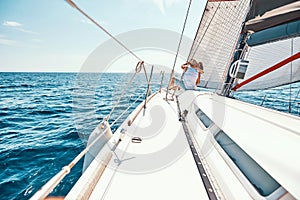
(160, 167)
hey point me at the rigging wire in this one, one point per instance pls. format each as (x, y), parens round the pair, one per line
(291, 77)
(137, 70)
(204, 33)
(181, 36)
(119, 117)
(139, 65)
(103, 29)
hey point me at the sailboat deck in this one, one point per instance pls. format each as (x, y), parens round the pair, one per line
(160, 167)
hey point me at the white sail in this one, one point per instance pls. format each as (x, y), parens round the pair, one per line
(265, 56)
(216, 38)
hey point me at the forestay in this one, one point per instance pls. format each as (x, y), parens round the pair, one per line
(216, 38)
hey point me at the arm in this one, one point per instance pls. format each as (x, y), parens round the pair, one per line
(184, 67)
(198, 79)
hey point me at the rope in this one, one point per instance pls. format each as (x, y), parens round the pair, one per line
(185, 20)
(102, 28)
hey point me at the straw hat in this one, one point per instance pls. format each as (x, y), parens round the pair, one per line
(193, 62)
(199, 65)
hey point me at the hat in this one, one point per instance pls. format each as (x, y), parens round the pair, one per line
(193, 62)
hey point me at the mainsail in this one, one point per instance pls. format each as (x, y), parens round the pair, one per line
(273, 36)
(216, 38)
(264, 56)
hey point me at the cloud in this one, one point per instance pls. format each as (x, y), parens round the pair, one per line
(36, 40)
(162, 5)
(11, 24)
(18, 26)
(27, 31)
(86, 21)
(7, 42)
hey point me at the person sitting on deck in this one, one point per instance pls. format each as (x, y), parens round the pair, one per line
(192, 71)
(172, 84)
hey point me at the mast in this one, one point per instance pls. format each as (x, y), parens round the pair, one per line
(267, 30)
(239, 54)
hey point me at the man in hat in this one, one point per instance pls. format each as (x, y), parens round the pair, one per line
(192, 71)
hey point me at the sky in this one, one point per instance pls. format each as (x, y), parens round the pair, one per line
(51, 36)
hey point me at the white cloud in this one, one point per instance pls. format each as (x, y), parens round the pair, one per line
(11, 24)
(36, 40)
(27, 31)
(7, 42)
(86, 21)
(18, 26)
(171, 2)
(162, 5)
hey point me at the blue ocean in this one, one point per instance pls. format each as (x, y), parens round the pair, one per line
(46, 118)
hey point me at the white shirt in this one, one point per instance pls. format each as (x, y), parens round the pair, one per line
(190, 77)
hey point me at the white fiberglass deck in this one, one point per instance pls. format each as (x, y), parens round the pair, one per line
(269, 137)
(160, 167)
